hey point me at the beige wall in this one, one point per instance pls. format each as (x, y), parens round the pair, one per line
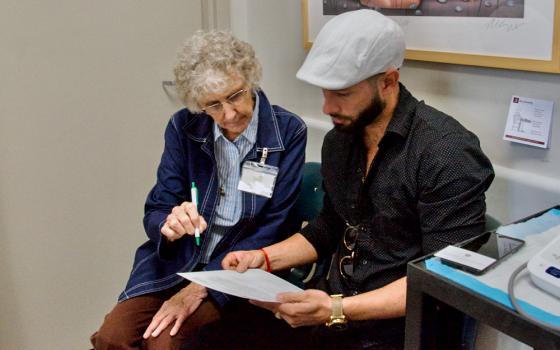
(82, 114)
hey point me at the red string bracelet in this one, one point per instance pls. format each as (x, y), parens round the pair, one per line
(266, 260)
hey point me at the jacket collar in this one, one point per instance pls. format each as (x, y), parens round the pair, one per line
(199, 127)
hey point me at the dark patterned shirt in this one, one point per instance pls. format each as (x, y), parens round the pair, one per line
(425, 190)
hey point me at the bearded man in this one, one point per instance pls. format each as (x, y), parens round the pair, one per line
(401, 180)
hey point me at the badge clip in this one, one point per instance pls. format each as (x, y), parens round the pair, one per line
(264, 155)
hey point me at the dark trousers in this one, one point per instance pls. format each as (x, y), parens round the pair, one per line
(124, 326)
(246, 327)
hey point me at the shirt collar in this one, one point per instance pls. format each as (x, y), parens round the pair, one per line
(250, 133)
(401, 120)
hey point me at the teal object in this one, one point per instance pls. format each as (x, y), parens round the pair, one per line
(310, 200)
(307, 207)
(194, 199)
(491, 223)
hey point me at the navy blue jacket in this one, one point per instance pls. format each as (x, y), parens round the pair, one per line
(188, 157)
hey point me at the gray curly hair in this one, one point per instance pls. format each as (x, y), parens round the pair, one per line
(209, 61)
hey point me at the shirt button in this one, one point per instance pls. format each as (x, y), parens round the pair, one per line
(364, 262)
(354, 292)
(352, 206)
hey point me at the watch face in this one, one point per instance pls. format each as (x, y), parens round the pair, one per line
(339, 326)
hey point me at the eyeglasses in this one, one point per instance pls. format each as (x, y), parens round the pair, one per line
(233, 100)
(346, 263)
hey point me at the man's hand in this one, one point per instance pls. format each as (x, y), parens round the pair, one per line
(242, 260)
(182, 220)
(311, 307)
(177, 309)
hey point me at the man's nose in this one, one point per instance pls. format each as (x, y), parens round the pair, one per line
(329, 106)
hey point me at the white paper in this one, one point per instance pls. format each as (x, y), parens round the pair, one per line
(253, 284)
(529, 121)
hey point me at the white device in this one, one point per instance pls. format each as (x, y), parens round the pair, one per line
(480, 253)
(544, 268)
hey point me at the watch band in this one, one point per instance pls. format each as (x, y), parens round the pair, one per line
(337, 305)
(337, 320)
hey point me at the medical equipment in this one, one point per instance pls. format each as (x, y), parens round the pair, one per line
(544, 268)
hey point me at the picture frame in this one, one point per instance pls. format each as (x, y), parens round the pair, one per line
(506, 43)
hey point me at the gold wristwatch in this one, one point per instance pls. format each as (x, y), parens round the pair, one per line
(337, 320)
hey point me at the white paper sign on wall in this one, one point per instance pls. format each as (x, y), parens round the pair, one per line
(529, 121)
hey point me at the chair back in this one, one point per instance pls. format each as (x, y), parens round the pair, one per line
(307, 208)
(310, 200)
(491, 223)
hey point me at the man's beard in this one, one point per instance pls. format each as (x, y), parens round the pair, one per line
(366, 117)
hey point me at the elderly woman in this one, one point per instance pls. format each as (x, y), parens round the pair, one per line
(245, 157)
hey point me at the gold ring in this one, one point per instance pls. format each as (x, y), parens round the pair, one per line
(278, 316)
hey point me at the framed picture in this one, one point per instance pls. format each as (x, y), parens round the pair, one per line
(511, 34)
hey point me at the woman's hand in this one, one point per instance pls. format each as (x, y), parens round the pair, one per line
(177, 309)
(183, 220)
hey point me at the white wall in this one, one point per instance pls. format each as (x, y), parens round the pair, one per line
(82, 115)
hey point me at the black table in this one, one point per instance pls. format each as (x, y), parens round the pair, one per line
(436, 307)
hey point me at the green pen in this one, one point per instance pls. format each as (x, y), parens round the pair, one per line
(194, 198)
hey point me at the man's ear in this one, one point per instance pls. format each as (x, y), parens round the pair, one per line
(390, 78)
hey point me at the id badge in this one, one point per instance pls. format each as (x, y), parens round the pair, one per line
(258, 178)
